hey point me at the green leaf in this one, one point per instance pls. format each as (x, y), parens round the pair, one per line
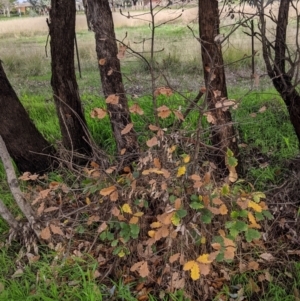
(240, 226)
(232, 161)
(234, 214)
(229, 225)
(259, 216)
(117, 250)
(110, 236)
(206, 216)
(135, 229)
(252, 234)
(257, 196)
(220, 257)
(225, 189)
(135, 174)
(267, 214)
(103, 235)
(172, 198)
(114, 243)
(194, 198)
(243, 213)
(234, 233)
(196, 205)
(229, 153)
(181, 213)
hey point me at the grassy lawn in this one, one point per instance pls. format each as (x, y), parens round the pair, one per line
(266, 138)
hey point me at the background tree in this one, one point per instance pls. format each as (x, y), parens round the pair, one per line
(222, 131)
(100, 18)
(30, 151)
(282, 59)
(63, 81)
(6, 6)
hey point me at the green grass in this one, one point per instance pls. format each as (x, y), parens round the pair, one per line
(71, 279)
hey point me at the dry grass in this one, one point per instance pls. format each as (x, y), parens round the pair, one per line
(37, 25)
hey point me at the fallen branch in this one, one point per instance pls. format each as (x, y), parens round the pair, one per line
(15, 190)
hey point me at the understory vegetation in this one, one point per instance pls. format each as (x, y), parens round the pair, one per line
(246, 247)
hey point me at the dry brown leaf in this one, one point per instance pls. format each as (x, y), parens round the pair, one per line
(45, 233)
(112, 99)
(50, 209)
(178, 114)
(56, 230)
(92, 219)
(229, 253)
(108, 190)
(98, 113)
(115, 211)
(204, 268)
(163, 112)
(152, 142)
(102, 227)
(144, 271)
(163, 91)
(166, 173)
(156, 163)
(41, 209)
(253, 265)
(136, 266)
(122, 51)
(267, 256)
(174, 257)
(233, 176)
(195, 177)
(153, 128)
(223, 209)
(110, 72)
(177, 204)
(262, 109)
(114, 196)
(136, 109)
(127, 129)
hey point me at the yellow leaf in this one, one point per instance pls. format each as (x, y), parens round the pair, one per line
(139, 214)
(155, 225)
(175, 220)
(189, 265)
(172, 149)
(204, 258)
(195, 272)
(108, 190)
(121, 254)
(88, 200)
(126, 208)
(203, 240)
(186, 159)
(181, 171)
(254, 206)
(253, 221)
(151, 233)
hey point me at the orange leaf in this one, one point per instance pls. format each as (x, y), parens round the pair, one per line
(115, 211)
(174, 257)
(134, 220)
(223, 209)
(163, 91)
(157, 163)
(177, 204)
(127, 129)
(108, 190)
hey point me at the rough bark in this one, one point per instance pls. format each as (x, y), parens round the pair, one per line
(222, 132)
(27, 147)
(101, 21)
(63, 81)
(282, 80)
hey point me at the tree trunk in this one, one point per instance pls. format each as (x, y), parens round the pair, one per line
(282, 80)
(63, 81)
(25, 144)
(101, 21)
(222, 132)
